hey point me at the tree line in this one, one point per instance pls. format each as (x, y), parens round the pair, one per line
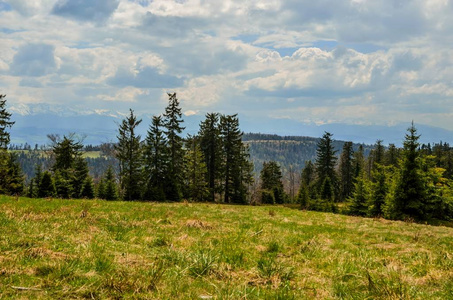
(412, 182)
(164, 166)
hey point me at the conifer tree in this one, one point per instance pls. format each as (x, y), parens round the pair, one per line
(100, 189)
(325, 162)
(195, 173)
(128, 153)
(110, 190)
(271, 183)
(303, 196)
(63, 188)
(66, 151)
(237, 168)
(11, 178)
(211, 144)
(379, 191)
(5, 123)
(80, 177)
(156, 161)
(391, 156)
(360, 197)
(14, 177)
(46, 186)
(172, 123)
(410, 193)
(346, 172)
(87, 190)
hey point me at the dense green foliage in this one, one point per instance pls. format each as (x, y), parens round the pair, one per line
(410, 183)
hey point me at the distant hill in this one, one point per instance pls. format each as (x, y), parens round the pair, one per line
(288, 150)
(34, 122)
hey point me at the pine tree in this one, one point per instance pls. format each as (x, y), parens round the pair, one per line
(303, 196)
(15, 179)
(211, 143)
(378, 153)
(360, 197)
(196, 185)
(410, 193)
(271, 183)
(237, 168)
(325, 162)
(346, 172)
(11, 178)
(87, 190)
(156, 161)
(128, 153)
(172, 123)
(46, 186)
(66, 151)
(379, 191)
(80, 176)
(63, 186)
(391, 156)
(110, 190)
(358, 162)
(100, 189)
(5, 123)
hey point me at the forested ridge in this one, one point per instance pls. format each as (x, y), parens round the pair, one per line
(221, 164)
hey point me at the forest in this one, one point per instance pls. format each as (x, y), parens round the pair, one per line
(221, 164)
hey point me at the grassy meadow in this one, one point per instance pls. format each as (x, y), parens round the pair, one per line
(51, 248)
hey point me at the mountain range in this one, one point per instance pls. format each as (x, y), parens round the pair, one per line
(35, 122)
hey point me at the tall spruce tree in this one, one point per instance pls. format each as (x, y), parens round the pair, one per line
(379, 191)
(271, 183)
(172, 122)
(237, 168)
(211, 144)
(46, 186)
(70, 168)
(360, 197)
(410, 193)
(5, 123)
(325, 162)
(155, 160)
(346, 172)
(11, 177)
(110, 186)
(196, 186)
(128, 153)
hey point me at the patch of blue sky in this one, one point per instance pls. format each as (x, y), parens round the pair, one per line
(5, 6)
(210, 33)
(246, 38)
(9, 30)
(286, 51)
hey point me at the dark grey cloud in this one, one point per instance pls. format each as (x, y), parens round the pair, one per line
(34, 60)
(86, 10)
(147, 77)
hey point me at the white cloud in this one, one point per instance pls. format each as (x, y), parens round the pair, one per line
(309, 60)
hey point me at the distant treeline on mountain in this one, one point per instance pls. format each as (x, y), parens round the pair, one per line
(290, 152)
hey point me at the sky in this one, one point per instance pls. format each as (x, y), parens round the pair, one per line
(316, 62)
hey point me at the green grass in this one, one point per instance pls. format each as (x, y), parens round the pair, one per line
(98, 249)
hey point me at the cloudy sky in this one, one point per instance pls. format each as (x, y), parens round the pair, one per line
(324, 61)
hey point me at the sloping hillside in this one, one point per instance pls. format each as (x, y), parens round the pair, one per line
(287, 150)
(61, 249)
